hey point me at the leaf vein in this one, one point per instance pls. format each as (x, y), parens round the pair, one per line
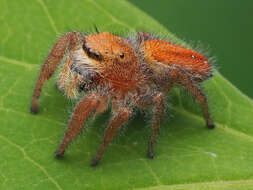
(235, 88)
(211, 183)
(114, 19)
(51, 21)
(26, 114)
(17, 62)
(220, 126)
(26, 157)
(158, 181)
(229, 107)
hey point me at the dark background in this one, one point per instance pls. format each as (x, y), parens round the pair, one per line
(226, 27)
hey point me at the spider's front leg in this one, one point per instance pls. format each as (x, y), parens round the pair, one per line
(70, 41)
(119, 119)
(91, 104)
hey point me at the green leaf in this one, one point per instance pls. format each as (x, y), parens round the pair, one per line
(188, 155)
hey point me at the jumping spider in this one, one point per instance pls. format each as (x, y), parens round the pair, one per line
(127, 72)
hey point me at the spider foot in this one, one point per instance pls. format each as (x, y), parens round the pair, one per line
(150, 155)
(59, 155)
(34, 109)
(210, 126)
(94, 162)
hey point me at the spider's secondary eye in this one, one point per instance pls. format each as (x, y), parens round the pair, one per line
(91, 54)
(122, 55)
(97, 56)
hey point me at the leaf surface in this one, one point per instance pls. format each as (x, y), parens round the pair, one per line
(188, 155)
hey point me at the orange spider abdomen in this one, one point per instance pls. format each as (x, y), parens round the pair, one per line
(161, 53)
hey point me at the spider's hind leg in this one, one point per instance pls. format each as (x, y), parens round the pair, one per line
(196, 91)
(72, 41)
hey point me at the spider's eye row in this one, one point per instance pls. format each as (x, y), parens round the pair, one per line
(91, 54)
(122, 55)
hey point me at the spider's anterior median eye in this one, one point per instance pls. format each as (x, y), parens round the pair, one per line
(122, 55)
(91, 54)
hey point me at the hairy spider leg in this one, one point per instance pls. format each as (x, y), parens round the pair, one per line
(199, 95)
(157, 101)
(117, 121)
(71, 40)
(158, 113)
(90, 104)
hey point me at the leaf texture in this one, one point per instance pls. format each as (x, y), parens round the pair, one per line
(188, 155)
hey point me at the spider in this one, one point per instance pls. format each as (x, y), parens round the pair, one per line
(126, 72)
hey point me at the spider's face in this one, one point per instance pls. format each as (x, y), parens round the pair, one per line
(112, 58)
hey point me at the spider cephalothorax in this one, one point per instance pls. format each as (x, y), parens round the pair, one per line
(114, 60)
(127, 73)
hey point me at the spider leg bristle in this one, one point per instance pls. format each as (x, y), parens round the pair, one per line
(57, 155)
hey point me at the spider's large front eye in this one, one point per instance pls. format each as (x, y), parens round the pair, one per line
(91, 54)
(122, 55)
